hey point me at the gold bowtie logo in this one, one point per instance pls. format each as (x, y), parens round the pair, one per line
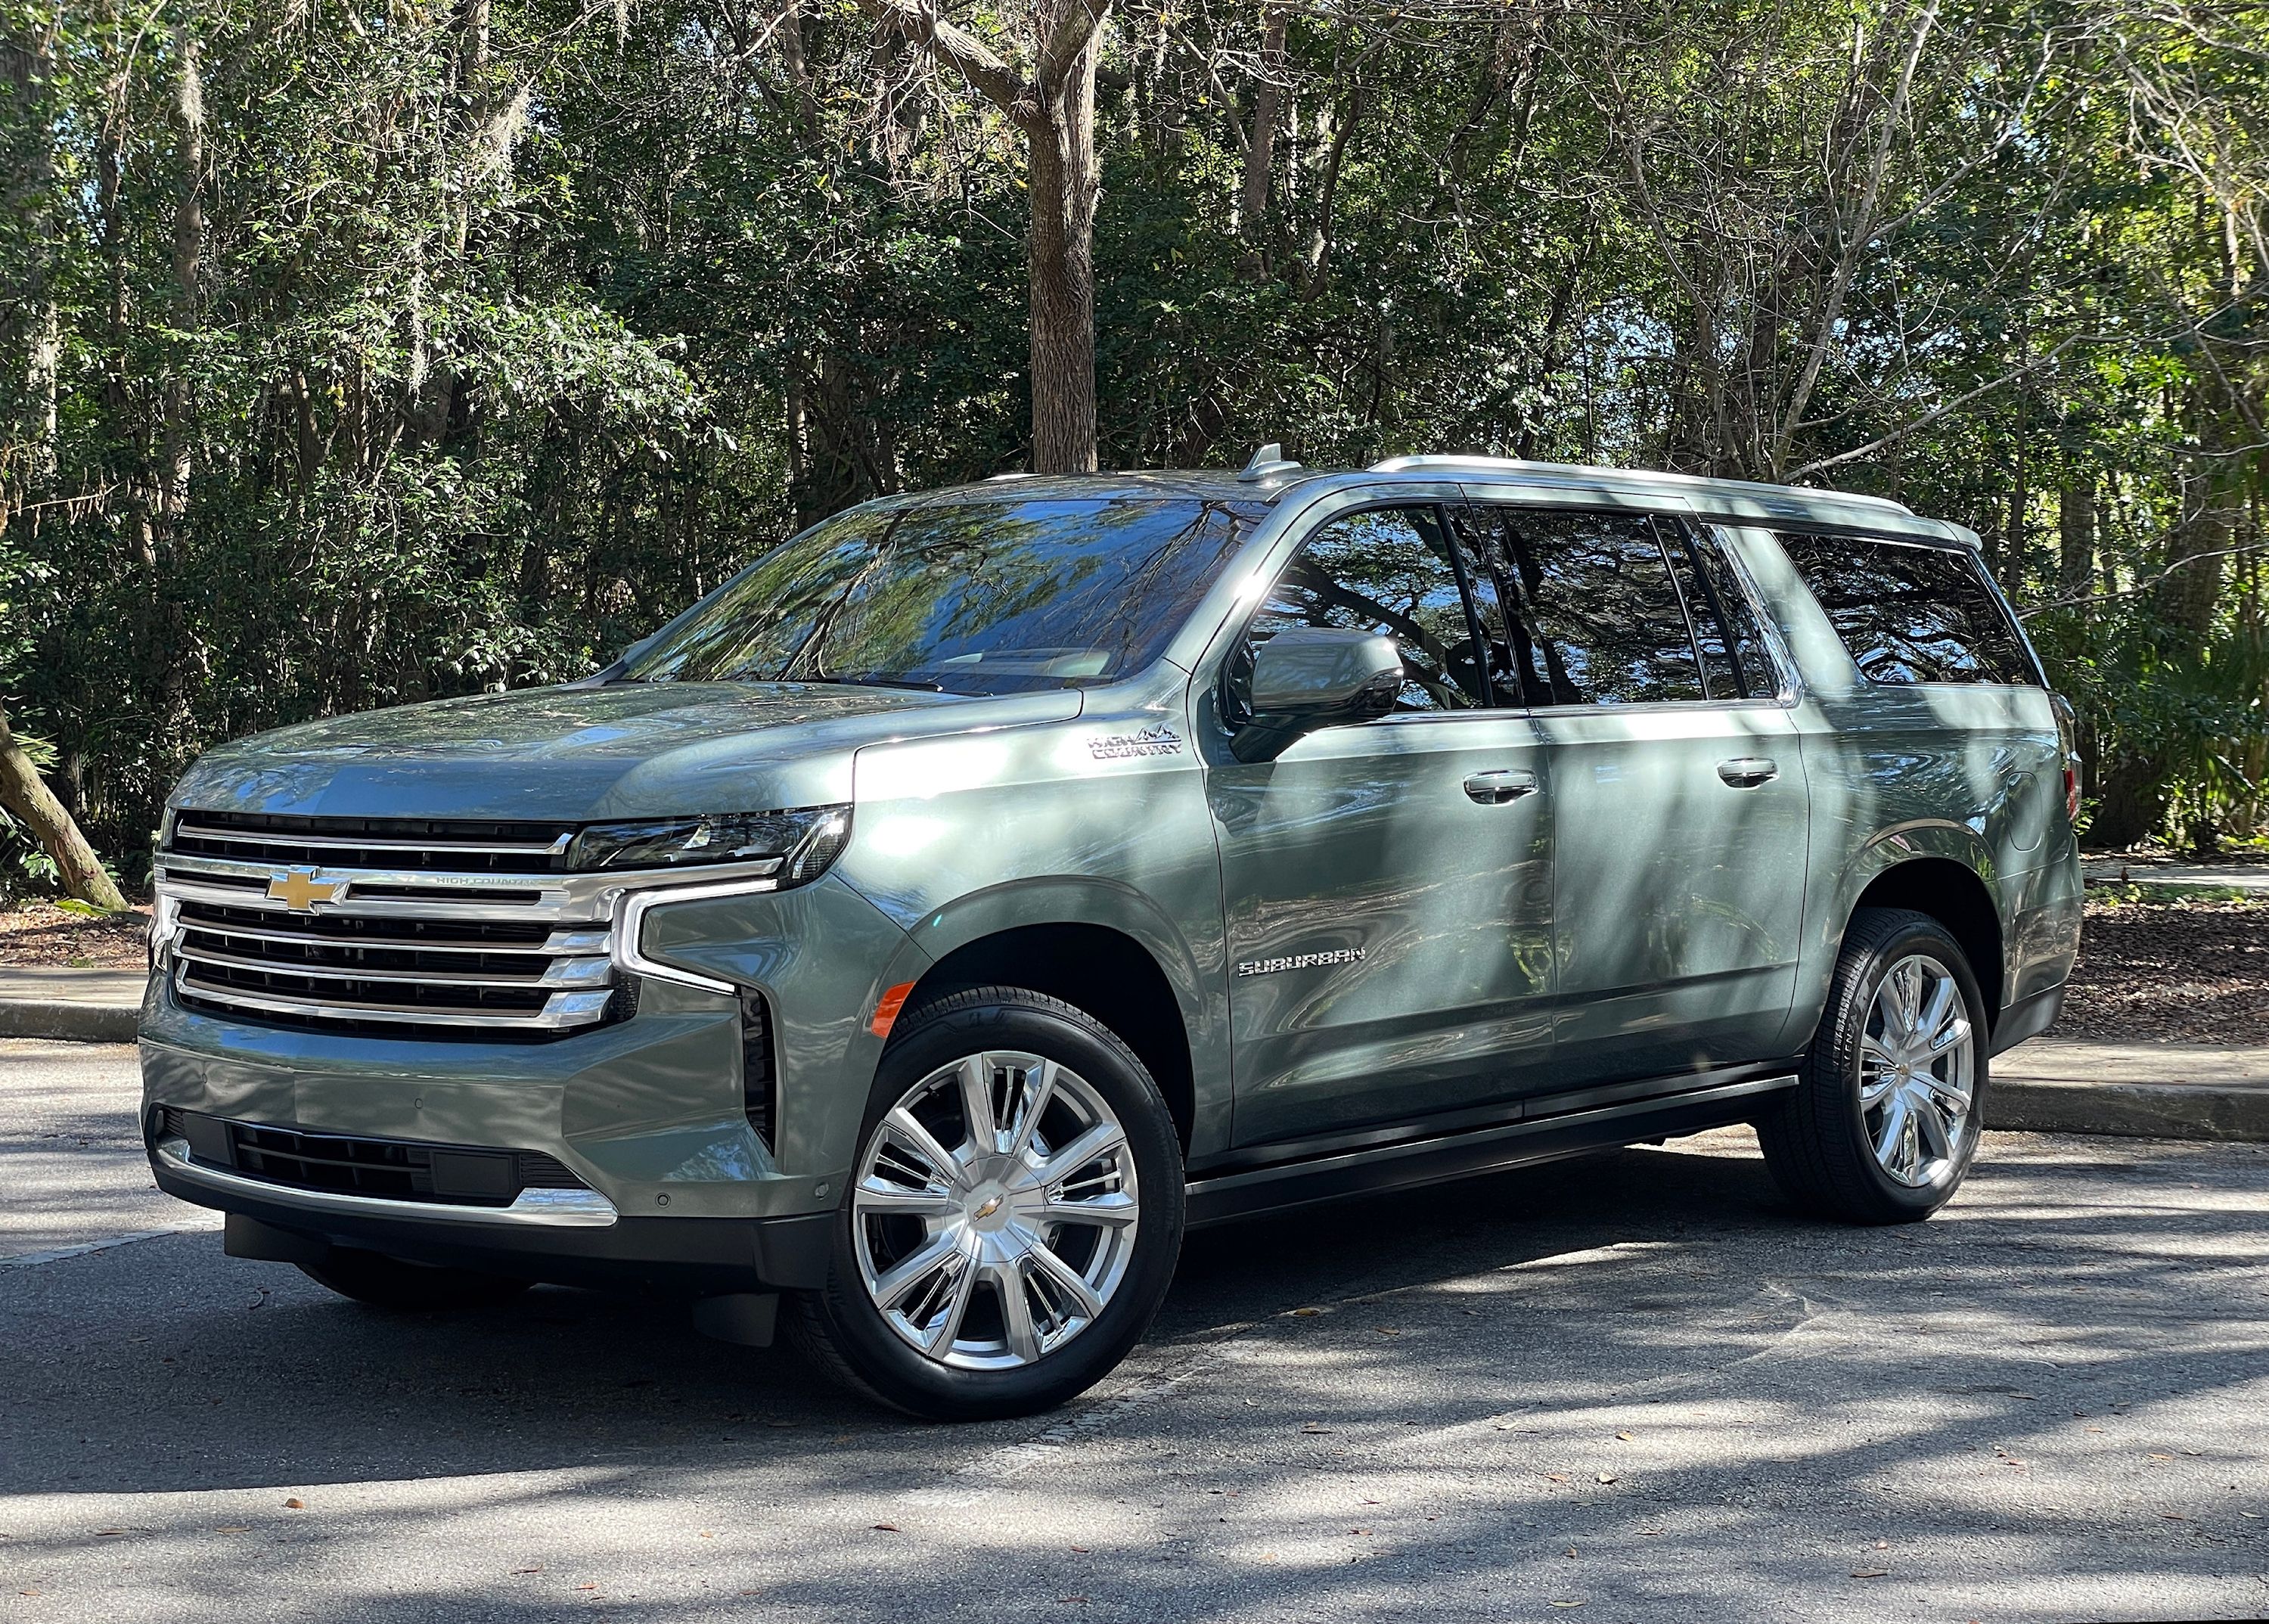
(298, 890)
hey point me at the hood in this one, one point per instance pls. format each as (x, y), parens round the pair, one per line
(627, 750)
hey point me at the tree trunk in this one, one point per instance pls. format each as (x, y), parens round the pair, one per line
(1065, 186)
(1260, 151)
(2076, 535)
(27, 797)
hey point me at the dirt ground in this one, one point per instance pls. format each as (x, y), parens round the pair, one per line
(39, 934)
(2195, 970)
(2153, 970)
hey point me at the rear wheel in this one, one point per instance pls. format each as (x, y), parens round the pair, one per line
(407, 1287)
(1013, 1218)
(1884, 1123)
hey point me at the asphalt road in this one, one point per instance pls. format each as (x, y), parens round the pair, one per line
(1633, 1387)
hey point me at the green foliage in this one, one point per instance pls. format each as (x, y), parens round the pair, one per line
(371, 352)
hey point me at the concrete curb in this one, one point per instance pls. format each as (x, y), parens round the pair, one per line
(74, 1022)
(2128, 1110)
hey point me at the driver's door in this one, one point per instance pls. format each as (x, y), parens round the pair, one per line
(1388, 885)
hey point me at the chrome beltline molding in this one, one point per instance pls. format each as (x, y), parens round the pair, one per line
(576, 1209)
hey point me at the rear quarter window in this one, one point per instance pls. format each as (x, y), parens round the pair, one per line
(1912, 614)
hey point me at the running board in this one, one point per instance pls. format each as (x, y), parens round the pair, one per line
(1446, 1156)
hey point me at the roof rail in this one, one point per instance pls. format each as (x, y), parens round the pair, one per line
(1738, 500)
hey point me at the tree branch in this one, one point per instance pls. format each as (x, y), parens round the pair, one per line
(1078, 26)
(962, 51)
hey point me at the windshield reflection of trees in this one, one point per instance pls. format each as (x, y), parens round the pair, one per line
(985, 596)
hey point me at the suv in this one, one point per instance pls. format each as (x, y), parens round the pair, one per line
(916, 934)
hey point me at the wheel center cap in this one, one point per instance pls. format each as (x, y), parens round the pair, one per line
(988, 1207)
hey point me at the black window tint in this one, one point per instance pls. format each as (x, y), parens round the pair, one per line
(1387, 571)
(1734, 661)
(1603, 617)
(1910, 613)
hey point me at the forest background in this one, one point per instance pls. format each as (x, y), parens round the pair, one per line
(360, 352)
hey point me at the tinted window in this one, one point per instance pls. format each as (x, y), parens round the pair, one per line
(1910, 613)
(967, 597)
(1387, 571)
(1602, 619)
(1736, 663)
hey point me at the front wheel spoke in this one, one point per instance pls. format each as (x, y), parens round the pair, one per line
(1016, 1309)
(903, 1126)
(975, 1078)
(1038, 1089)
(1113, 1209)
(1067, 1280)
(895, 1283)
(945, 1329)
(1098, 1140)
(879, 1197)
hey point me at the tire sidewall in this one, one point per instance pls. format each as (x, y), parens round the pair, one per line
(1862, 979)
(906, 1378)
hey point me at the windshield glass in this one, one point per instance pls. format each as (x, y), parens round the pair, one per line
(966, 597)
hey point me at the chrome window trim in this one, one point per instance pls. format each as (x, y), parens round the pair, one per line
(584, 1209)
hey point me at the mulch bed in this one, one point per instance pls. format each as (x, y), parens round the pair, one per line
(40, 934)
(2164, 971)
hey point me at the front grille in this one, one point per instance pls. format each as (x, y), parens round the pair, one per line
(393, 1169)
(451, 845)
(401, 938)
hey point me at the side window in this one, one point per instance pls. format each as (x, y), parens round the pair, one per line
(1387, 571)
(1602, 618)
(1735, 662)
(1911, 613)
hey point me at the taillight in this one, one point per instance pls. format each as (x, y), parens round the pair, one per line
(2067, 721)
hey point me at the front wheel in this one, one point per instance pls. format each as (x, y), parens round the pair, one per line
(1013, 1214)
(1883, 1124)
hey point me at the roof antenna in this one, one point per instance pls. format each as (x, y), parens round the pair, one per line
(1266, 463)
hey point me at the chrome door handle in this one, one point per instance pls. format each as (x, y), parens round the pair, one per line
(1494, 789)
(1748, 772)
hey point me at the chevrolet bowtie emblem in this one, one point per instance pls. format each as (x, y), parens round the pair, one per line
(298, 890)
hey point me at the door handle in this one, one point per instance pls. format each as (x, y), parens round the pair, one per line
(1494, 789)
(1748, 772)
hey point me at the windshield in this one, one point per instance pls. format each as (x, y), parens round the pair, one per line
(965, 597)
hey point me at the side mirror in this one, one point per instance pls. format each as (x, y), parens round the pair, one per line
(1307, 677)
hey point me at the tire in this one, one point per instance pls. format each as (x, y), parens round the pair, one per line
(1021, 1276)
(404, 1288)
(1880, 1128)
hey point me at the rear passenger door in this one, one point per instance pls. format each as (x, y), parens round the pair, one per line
(1679, 800)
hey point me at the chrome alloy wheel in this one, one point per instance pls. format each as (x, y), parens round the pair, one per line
(1918, 1071)
(994, 1210)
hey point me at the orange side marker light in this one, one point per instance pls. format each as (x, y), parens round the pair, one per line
(887, 1010)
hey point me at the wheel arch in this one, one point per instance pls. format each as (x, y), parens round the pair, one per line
(1097, 967)
(1957, 895)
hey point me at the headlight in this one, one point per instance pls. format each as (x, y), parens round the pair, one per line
(802, 843)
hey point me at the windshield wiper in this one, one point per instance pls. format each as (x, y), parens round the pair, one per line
(869, 679)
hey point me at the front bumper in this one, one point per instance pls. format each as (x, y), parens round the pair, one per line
(572, 1243)
(648, 1112)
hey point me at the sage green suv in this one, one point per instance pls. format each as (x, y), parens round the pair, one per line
(912, 938)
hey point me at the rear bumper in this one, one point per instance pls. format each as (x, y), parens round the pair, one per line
(566, 1237)
(2028, 1017)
